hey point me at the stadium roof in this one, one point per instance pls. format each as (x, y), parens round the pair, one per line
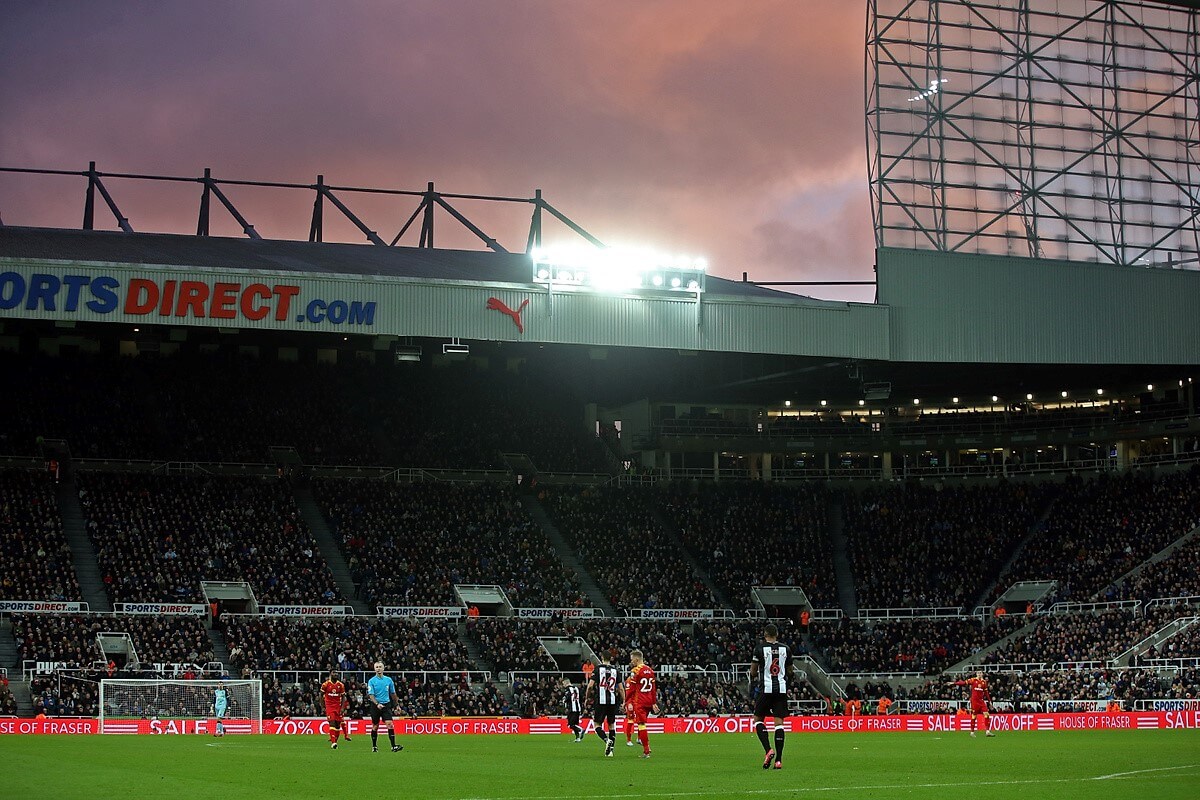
(477, 266)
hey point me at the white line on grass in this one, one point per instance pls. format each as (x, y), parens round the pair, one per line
(783, 791)
(1143, 771)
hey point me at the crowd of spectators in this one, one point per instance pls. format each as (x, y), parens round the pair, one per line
(927, 646)
(418, 696)
(630, 555)
(35, 561)
(755, 534)
(1177, 575)
(409, 544)
(1183, 645)
(1100, 529)
(8, 703)
(348, 643)
(157, 537)
(936, 546)
(1082, 637)
(1029, 690)
(511, 644)
(71, 638)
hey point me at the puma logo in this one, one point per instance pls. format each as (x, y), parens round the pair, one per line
(496, 304)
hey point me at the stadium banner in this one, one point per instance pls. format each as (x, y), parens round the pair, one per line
(41, 607)
(565, 613)
(305, 611)
(176, 609)
(227, 298)
(447, 612)
(672, 613)
(1189, 704)
(432, 726)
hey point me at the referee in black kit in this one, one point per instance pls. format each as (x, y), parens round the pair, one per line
(608, 693)
(770, 670)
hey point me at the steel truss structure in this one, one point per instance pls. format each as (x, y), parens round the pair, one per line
(431, 201)
(1063, 129)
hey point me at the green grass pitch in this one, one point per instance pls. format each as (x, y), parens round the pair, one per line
(1058, 765)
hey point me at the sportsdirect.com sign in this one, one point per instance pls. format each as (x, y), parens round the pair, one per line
(178, 300)
(894, 723)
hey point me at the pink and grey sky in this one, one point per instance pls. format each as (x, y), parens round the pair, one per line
(732, 130)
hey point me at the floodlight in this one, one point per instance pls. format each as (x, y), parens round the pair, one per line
(407, 353)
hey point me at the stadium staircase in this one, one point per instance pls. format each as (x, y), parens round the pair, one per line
(220, 649)
(10, 660)
(567, 555)
(1168, 631)
(1161, 555)
(847, 596)
(986, 591)
(310, 512)
(697, 568)
(83, 556)
(479, 662)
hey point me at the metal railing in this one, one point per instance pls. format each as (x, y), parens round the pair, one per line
(1131, 606)
(932, 612)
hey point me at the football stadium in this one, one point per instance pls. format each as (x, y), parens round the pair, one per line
(356, 512)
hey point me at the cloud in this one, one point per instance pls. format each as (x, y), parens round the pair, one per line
(691, 124)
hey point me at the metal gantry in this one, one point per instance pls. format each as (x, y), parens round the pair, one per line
(1063, 129)
(430, 201)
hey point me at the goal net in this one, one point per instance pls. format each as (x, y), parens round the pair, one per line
(179, 706)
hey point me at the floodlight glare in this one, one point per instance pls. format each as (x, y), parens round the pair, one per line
(1064, 393)
(616, 268)
(1149, 387)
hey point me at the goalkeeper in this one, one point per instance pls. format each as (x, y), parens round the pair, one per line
(220, 708)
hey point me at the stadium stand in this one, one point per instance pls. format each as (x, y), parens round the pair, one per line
(408, 544)
(927, 646)
(1177, 575)
(157, 537)
(35, 561)
(348, 643)
(1032, 690)
(630, 555)
(751, 534)
(1100, 529)
(923, 546)
(1081, 637)
(71, 638)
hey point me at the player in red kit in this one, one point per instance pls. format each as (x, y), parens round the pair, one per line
(333, 694)
(629, 723)
(645, 696)
(980, 697)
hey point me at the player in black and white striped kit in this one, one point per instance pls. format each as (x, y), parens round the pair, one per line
(574, 708)
(770, 675)
(607, 692)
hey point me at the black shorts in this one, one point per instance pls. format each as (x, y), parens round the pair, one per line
(771, 705)
(605, 712)
(383, 712)
(573, 719)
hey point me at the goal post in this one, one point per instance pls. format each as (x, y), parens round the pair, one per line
(178, 706)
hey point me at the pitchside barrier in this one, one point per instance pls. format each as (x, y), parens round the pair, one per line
(893, 723)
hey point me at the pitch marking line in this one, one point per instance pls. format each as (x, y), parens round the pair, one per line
(816, 789)
(1143, 772)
